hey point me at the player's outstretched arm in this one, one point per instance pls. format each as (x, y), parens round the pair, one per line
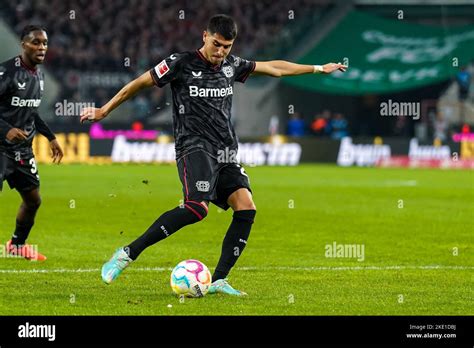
(279, 68)
(128, 91)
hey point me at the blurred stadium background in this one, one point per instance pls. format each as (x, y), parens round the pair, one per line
(398, 52)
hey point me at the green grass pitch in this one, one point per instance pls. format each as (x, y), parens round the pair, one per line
(415, 226)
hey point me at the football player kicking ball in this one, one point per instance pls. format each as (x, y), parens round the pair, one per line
(202, 88)
(21, 89)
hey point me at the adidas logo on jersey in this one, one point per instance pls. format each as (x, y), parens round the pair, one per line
(195, 91)
(30, 103)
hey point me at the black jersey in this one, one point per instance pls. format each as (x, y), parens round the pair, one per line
(21, 89)
(202, 100)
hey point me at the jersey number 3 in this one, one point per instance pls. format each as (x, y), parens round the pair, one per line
(33, 169)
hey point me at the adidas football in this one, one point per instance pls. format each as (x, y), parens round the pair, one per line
(190, 278)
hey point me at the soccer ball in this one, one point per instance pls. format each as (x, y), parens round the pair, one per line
(190, 278)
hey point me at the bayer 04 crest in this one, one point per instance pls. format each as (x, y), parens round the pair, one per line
(228, 71)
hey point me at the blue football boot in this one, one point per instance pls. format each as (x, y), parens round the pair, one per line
(222, 286)
(114, 267)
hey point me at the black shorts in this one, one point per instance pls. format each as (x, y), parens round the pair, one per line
(205, 179)
(21, 175)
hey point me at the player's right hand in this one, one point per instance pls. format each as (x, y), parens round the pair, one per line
(16, 135)
(92, 115)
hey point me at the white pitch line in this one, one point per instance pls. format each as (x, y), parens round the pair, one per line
(276, 268)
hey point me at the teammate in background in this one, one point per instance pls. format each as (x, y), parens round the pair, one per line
(202, 88)
(21, 89)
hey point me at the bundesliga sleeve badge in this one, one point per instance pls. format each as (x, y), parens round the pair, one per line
(162, 69)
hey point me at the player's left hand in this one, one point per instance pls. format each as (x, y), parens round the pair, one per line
(92, 115)
(57, 151)
(331, 67)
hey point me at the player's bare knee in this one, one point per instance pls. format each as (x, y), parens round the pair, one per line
(249, 205)
(33, 203)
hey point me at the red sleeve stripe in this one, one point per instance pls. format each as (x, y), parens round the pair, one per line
(249, 72)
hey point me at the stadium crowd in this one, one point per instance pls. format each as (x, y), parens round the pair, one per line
(128, 37)
(98, 35)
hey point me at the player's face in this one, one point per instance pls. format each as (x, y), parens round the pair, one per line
(35, 46)
(216, 48)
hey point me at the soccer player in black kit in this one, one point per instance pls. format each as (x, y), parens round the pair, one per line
(202, 88)
(21, 89)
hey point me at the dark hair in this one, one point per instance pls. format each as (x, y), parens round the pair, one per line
(29, 28)
(224, 25)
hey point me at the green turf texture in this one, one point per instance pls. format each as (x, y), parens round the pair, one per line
(403, 217)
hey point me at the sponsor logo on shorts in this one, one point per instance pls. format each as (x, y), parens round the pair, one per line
(203, 186)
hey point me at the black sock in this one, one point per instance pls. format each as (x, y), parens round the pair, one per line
(166, 225)
(22, 231)
(234, 242)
